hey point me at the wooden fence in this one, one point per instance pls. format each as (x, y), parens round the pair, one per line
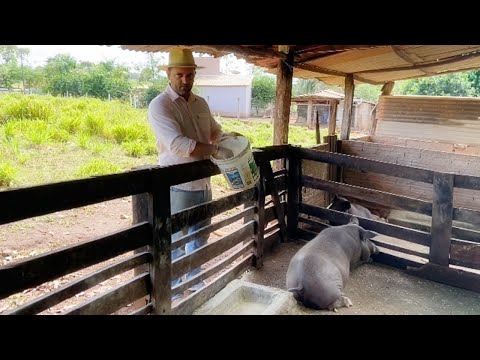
(266, 221)
(147, 242)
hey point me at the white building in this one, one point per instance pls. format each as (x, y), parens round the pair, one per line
(227, 95)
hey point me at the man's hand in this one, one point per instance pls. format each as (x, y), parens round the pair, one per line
(223, 153)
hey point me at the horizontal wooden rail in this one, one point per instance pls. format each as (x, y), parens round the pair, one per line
(34, 271)
(371, 195)
(200, 212)
(269, 153)
(400, 232)
(18, 204)
(245, 213)
(115, 299)
(467, 182)
(207, 252)
(399, 248)
(465, 253)
(196, 299)
(358, 163)
(247, 247)
(55, 297)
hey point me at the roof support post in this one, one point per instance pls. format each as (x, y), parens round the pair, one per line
(283, 99)
(347, 108)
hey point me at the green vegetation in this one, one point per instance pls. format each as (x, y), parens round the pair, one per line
(46, 139)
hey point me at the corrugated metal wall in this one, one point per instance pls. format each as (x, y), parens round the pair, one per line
(448, 119)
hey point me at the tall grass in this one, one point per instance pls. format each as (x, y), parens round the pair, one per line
(47, 139)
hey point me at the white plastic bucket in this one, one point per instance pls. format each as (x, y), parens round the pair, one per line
(240, 171)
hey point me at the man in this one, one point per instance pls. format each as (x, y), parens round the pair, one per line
(185, 131)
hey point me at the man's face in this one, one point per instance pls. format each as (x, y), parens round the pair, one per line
(181, 80)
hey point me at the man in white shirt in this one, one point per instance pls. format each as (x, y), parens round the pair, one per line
(185, 131)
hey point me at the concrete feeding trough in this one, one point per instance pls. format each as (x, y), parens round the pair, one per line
(244, 298)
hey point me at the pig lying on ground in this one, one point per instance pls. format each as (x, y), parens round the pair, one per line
(341, 204)
(318, 272)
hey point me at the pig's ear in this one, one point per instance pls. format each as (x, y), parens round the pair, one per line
(353, 220)
(348, 204)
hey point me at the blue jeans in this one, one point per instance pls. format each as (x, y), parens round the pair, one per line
(181, 200)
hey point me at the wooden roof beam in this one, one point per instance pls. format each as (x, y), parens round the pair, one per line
(418, 66)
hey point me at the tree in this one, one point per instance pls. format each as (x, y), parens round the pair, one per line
(457, 84)
(307, 86)
(10, 72)
(159, 86)
(150, 73)
(368, 92)
(263, 91)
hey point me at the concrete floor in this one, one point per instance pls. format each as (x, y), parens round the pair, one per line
(375, 289)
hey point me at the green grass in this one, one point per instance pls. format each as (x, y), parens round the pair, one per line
(45, 139)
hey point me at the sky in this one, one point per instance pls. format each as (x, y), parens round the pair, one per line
(93, 53)
(97, 53)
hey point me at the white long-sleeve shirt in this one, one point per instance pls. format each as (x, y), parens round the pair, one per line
(178, 124)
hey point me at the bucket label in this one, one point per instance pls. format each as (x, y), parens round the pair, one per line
(253, 167)
(235, 179)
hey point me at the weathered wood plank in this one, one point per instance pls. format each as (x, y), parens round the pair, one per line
(144, 310)
(458, 233)
(116, 298)
(247, 214)
(442, 217)
(18, 204)
(407, 155)
(313, 225)
(196, 299)
(161, 249)
(448, 276)
(56, 296)
(293, 196)
(280, 182)
(270, 213)
(400, 232)
(208, 210)
(370, 195)
(279, 210)
(140, 210)
(467, 215)
(259, 218)
(354, 162)
(347, 107)
(272, 240)
(205, 274)
(332, 117)
(465, 254)
(395, 261)
(207, 252)
(34, 271)
(399, 248)
(269, 153)
(281, 118)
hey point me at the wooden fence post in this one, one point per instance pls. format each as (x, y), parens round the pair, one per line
(293, 195)
(161, 266)
(260, 217)
(317, 128)
(442, 213)
(140, 208)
